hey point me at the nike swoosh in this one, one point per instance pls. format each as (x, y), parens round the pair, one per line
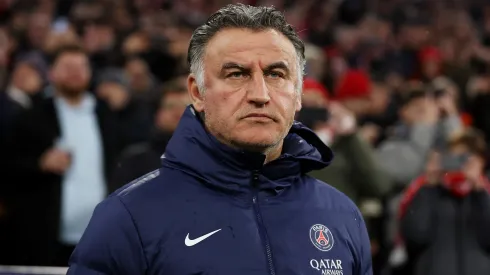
(189, 242)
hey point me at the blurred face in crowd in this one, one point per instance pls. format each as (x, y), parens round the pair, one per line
(26, 78)
(38, 28)
(172, 106)
(56, 39)
(460, 157)
(135, 43)
(411, 112)
(71, 73)
(380, 98)
(347, 38)
(114, 94)
(138, 73)
(430, 68)
(251, 94)
(415, 35)
(98, 38)
(358, 106)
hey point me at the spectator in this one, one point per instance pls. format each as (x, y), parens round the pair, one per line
(112, 86)
(403, 154)
(143, 158)
(142, 83)
(445, 222)
(359, 177)
(61, 174)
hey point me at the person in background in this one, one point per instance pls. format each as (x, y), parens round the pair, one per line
(143, 158)
(112, 86)
(424, 119)
(27, 81)
(64, 169)
(358, 177)
(142, 83)
(444, 215)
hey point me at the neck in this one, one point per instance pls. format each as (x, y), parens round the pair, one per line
(273, 153)
(73, 100)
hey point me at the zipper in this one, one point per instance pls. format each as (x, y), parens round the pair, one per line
(260, 223)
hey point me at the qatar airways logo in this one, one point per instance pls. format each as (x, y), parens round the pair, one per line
(327, 266)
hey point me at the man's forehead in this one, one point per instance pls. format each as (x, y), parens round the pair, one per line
(245, 47)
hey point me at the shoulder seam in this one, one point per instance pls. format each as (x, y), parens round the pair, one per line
(139, 181)
(137, 231)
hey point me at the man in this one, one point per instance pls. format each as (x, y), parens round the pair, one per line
(60, 153)
(232, 195)
(112, 86)
(424, 123)
(143, 158)
(450, 201)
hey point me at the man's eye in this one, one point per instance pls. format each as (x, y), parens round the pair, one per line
(275, 74)
(236, 75)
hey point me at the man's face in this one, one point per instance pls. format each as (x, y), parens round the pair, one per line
(411, 112)
(171, 109)
(26, 78)
(71, 73)
(250, 96)
(138, 73)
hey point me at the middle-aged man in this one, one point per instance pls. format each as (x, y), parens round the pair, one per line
(232, 195)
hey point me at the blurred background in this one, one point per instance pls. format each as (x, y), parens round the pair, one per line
(90, 92)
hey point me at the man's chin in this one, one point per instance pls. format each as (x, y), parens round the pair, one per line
(72, 91)
(255, 143)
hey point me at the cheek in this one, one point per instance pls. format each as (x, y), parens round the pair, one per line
(217, 107)
(287, 105)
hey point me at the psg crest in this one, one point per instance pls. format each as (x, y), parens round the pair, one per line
(321, 237)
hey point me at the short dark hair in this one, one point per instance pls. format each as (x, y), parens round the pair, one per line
(70, 48)
(246, 17)
(173, 86)
(473, 139)
(411, 96)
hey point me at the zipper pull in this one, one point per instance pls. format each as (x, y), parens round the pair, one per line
(255, 175)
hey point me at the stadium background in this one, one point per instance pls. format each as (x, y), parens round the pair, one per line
(371, 58)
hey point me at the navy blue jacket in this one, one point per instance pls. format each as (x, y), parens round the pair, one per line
(214, 210)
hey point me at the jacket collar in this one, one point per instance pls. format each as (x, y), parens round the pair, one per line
(194, 151)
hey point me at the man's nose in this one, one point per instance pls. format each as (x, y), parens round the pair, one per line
(258, 92)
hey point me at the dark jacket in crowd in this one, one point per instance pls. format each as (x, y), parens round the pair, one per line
(447, 235)
(36, 209)
(139, 159)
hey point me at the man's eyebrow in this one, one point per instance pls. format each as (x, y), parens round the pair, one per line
(233, 65)
(277, 65)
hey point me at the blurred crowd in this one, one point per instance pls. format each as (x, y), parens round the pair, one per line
(90, 92)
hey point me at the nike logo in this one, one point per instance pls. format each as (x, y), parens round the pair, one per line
(189, 242)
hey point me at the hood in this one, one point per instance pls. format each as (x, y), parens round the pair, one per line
(195, 151)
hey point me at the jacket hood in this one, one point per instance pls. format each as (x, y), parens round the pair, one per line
(195, 151)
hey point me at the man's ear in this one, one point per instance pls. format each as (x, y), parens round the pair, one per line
(194, 93)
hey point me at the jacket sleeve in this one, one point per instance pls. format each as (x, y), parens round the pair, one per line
(365, 264)
(22, 149)
(403, 160)
(368, 176)
(110, 244)
(481, 218)
(416, 223)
